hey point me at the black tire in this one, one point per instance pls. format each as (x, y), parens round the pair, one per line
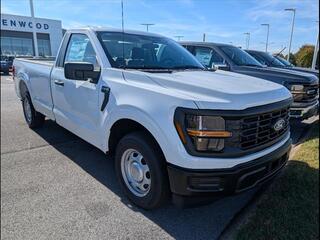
(34, 119)
(159, 188)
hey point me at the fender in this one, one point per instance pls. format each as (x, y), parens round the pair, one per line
(22, 77)
(137, 115)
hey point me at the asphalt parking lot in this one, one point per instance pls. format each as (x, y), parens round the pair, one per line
(56, 186)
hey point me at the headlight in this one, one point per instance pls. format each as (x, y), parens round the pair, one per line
(297, 92)
(206, 133)
(296, 88)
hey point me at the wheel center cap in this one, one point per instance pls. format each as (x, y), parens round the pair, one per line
(136, 172)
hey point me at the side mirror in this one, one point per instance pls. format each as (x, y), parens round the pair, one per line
(214, 67)
(82, 71)
(224, 67)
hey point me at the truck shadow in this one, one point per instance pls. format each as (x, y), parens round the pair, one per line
(298, 129)
(205, 222)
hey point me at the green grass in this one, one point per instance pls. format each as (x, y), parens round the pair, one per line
(290, 208)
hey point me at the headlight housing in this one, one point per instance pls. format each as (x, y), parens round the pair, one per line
(297, 91)
(204, 133)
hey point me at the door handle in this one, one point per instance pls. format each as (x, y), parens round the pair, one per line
(59, 82)
(106, 91)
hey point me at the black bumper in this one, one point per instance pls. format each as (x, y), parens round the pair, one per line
(4, 69)
(224, 182)
(304, 112)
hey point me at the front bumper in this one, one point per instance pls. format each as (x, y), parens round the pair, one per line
(218, 183)
(299, 111)
(4, 68)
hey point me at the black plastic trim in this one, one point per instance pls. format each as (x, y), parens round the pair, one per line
(180, 177)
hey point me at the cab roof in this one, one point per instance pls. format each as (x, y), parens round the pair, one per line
(117, 30)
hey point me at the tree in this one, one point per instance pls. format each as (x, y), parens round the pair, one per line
(304, 56)
(292, 59)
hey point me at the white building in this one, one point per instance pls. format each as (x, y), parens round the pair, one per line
(17, 38)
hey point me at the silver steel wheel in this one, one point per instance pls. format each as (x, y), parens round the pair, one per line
(135, 172)
(27, 109)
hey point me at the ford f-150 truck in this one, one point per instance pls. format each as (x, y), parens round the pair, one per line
(303, 86)
(173, 127)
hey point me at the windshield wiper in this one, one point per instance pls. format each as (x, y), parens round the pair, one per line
(185, 67)
(250, 65)
(150, 69)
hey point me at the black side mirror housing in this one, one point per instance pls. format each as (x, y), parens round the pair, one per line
(82, 71)
(224, 67)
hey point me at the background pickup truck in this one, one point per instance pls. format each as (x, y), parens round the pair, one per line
(303, 86)
(268, 60)
(174, 128)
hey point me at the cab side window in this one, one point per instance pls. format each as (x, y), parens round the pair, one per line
(80, 49)
(208, 56)
(203, 54)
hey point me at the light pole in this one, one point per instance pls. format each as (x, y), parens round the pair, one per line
(247, 39)
(179, 37)
(268, 26)
(293, 18)
(315, 53)
(35, 40)
(147, 25)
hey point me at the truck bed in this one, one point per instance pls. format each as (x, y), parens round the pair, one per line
(38, 60)
(37, 72)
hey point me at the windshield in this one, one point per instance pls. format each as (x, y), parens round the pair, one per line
(283, 61)
(133, 51)
(267, 59)
(239, 57)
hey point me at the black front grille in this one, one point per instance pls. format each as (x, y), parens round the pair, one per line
(257, 130)
(311, 92)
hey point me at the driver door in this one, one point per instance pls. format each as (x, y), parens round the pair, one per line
(76, 102)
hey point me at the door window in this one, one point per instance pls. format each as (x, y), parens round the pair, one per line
(80, 50)
(208, 56)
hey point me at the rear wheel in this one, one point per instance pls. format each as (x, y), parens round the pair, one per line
(141, 170)
(33, 118)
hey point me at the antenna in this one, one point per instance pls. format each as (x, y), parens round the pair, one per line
(122, 33)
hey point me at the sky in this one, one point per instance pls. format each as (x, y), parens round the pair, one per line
(223, 21)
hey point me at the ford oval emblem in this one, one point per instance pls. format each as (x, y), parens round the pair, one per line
(279, 125)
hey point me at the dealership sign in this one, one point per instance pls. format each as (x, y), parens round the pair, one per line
(23, 24)
(26, 24)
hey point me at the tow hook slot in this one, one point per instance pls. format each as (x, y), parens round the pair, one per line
(106, 91)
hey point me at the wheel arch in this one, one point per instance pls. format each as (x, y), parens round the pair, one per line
(124, 126)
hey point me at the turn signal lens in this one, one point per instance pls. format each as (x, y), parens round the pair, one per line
(180, 132)
(206, 133)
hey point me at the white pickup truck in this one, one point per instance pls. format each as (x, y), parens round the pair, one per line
(173, 127)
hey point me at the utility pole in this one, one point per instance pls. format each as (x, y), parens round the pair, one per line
(268, 26)
(293, 18)
(204, 37)
(247, 39)
(179, 37)
(147, 25)
(35, 40)
(315, 53)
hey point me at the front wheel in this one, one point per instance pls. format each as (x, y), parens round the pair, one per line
(141, 170)
(33, 118)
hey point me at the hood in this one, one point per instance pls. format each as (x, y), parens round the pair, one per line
(280, 75)
(307, 70)
(214, 90)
